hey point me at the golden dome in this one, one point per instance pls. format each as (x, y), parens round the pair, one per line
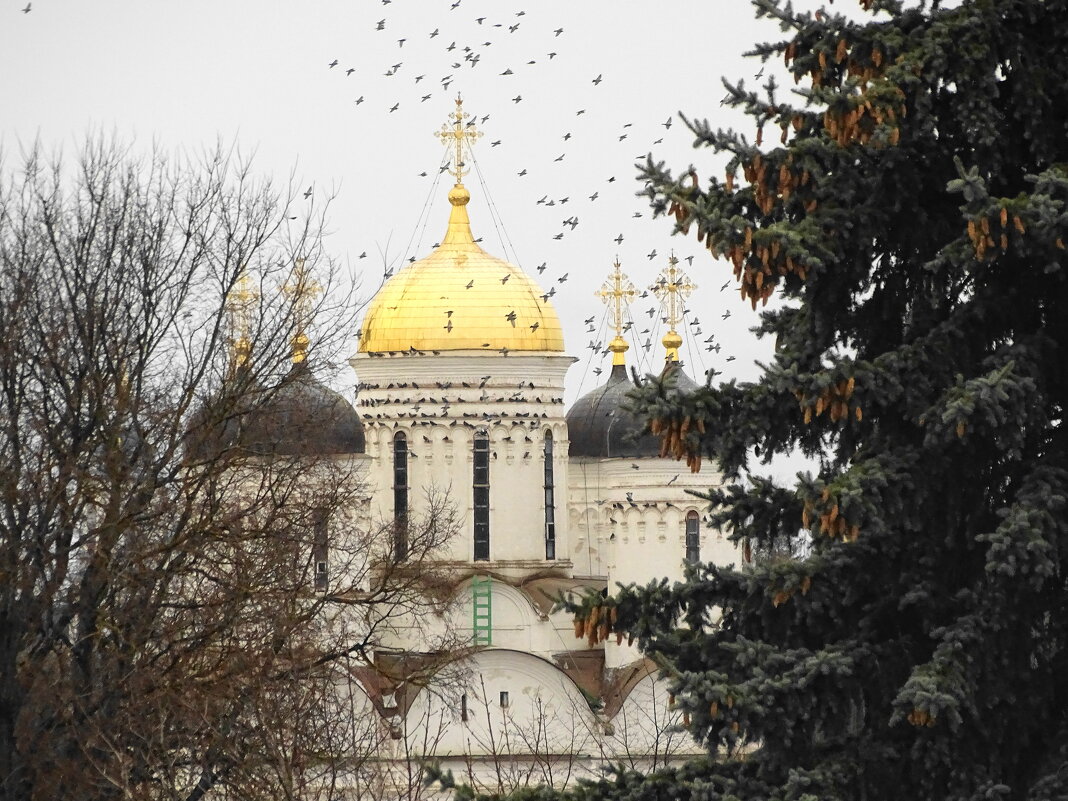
(460, 298)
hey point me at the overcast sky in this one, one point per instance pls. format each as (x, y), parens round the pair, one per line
(185, 75)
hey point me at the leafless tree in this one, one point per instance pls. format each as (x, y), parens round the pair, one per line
(165, 628)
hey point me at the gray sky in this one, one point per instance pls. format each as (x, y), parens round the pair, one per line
(185, 75)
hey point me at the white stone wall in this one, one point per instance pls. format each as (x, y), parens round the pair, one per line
(440, 401)
(547, 733)
(628, 524)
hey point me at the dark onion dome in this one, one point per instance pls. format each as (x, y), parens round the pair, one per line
(600, 424)
(302, 417)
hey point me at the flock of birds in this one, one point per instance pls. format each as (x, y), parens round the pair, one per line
(417, 58)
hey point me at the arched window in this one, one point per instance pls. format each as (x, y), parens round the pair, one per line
(693, 537)
(550, 500)
(481, 493)
(400, 495)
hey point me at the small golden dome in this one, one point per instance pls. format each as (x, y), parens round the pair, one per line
(672, 342)
(460, 298)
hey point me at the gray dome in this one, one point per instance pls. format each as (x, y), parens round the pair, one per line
(599, 425)
(303, 418)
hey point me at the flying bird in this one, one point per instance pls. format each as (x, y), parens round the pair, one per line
(332, 64)
(597, 80)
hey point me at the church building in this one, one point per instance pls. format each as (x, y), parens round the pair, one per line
(460, 372)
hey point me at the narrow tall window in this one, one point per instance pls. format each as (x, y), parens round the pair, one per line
(463, 707)
(550, 500)
(400, 495)
(321, 553)
(693, 537)
(480, 484)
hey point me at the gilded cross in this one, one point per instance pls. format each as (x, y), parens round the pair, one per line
(239, 305)
(302, 289)
(673, 286)
(616, 290)
(454, 134)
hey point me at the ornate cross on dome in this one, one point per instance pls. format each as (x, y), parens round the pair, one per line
(302, 288)
(458, 132)
(613, 292)
(673, 286)
(239, 305)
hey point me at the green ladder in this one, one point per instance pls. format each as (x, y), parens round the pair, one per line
(482, 604)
